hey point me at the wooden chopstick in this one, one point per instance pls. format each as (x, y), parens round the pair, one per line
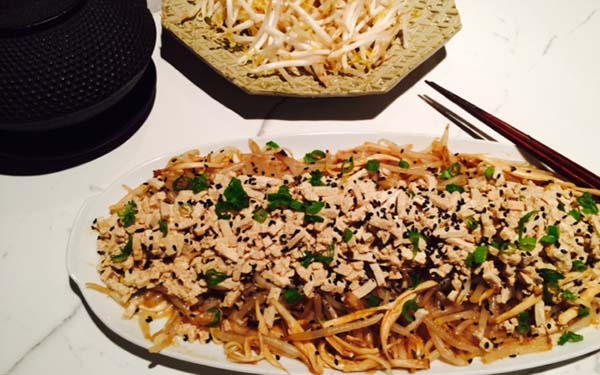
(553, 159)
(466, 126)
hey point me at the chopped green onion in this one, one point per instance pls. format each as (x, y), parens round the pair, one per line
(552, 236)
(347, 166)
(125, 252)
(524, 320)
(588, 204)
(214, 277)
(164, 227)
(182, 183)
(451, 188)
(551, 277)
(471, 223)
(453, 171)
(260, 215)
(315, 178)
(309, 258)
(569, 295)
(414, 238)
(217, 315)
(373, 166)
(127, 214)
(403, 164)
(347, 236)
(415, 279)
(236, 199)
(524, 220)
(313, 219)
(292, 296)
(445, 175)
(561, 206)
(583, 311)
(575, 214)
(200, 183)
(489, 173)
(579, 266)
(477, 257)
(527, 243)
(314, 156)
(569, 337)
(313, 208)
(373, 301)
(409, 309)
(272, 145)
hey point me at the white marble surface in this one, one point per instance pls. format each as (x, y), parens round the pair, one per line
(533, 63)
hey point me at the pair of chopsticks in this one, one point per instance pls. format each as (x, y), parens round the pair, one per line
(553, 159)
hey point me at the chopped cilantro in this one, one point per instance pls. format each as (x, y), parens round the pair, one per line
(127, 214)
(125, 252)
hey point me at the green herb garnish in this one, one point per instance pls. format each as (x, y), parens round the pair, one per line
(414, 238)
(489, 173)
(292, 296)
(569, 337)
(182, 183)
(372, 166)
(200, 183)
(373, 301)
(552, 236)
(347, 235)
(588, 204)
(164, 227)
(551, 279)
(409, 309)
(583, 311)
(415, 280)
(524, 220)
(272, 145)
(260, 215)
(315, 178)
(561, 206)
(524, 326)
(477, 257)
(451, 188)
(314, 156)
(579, 266)
(527, 244)
(236, 200)
(313, 207)
(403, 164)
(214, 277)
(217, 315)
(471, 223)
(453, 171)
(313, 219)
(575, 214)
(125, 252)
(347, 166)
(568, 295)
(127, 214)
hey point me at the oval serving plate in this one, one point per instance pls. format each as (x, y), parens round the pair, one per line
(82, 260)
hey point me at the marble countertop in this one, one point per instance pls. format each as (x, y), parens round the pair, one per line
(534, 64)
